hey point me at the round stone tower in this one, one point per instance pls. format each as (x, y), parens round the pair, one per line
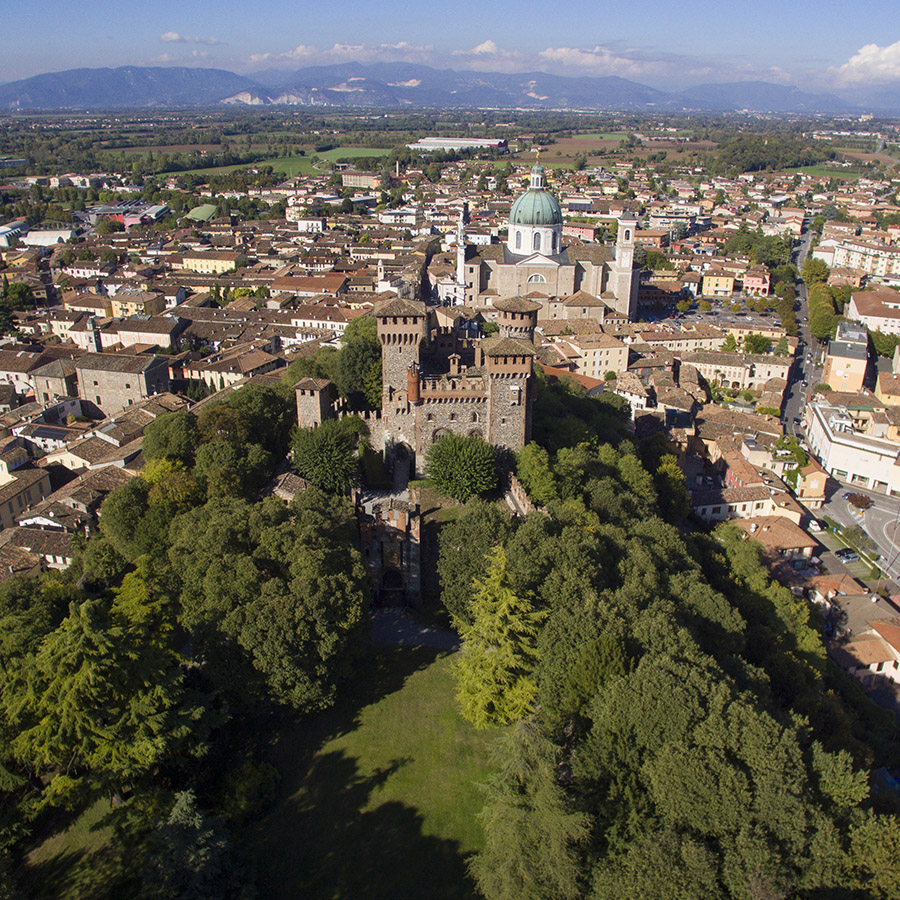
(517, 317)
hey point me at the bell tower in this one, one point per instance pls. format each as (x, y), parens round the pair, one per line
(460, 293)
(624, 278)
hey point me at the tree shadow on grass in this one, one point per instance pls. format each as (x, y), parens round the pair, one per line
(75, 874)
(323, 842)
(380, 672)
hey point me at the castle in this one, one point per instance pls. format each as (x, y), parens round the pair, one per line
(437, 382)
(437, 379)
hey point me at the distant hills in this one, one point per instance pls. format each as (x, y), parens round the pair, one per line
(405, 85)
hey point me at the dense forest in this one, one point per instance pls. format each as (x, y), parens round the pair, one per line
(664, 713)
(677, 727)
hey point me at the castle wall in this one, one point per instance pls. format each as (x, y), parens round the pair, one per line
(509, 411)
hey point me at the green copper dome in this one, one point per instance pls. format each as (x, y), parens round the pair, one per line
(536, 206)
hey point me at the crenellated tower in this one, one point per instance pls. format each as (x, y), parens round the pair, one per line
(402, 330)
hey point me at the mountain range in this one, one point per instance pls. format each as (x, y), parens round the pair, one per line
(406, 85)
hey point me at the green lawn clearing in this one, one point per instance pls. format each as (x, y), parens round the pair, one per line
(602, 136)
(379, 796)
(79, 861)
(298, 165)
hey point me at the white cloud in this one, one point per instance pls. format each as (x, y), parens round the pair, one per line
(871, 63)
(173, 37)
(488, 57)
(308, 54)
(600, 60)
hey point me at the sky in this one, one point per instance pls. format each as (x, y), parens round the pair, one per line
(817, 45)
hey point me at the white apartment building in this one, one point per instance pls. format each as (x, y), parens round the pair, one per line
(869, 462)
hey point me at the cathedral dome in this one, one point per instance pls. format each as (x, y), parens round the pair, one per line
(537, 206)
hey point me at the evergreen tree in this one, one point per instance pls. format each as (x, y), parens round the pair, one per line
(101, 698)
(494, 683)
(191, 857)
(532, 834)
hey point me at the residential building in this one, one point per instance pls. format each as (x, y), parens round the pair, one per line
(847, 358)
(114, 381)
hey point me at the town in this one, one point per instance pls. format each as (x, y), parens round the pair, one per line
(725, 293)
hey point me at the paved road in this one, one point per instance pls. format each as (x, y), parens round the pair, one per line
(806, 367)
(881, 522)
(392, 626)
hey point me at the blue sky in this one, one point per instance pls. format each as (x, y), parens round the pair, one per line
(814, 44)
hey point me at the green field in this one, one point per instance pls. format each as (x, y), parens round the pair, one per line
(602, 136)
(379, 796)
(78, 861)
(825, 172)
(296, 165)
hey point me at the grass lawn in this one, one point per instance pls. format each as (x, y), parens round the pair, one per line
(77, 862)
(295, 165)
(602, 136)
(826, 172)
(378, 795)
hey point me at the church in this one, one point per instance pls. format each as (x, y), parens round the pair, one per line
(533, 261)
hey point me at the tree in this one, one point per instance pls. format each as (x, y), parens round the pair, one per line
(782, 348)
(461, 467)
(533, 470)
(730, 344)
(274, 598)
(221, 422)
(173, 436)
(463, 545)
(815, 271)
(190, 857)
(757, 343)
(531, 850)
(326, 455)
(493, 673)
(101, 698)
(358, 375)
(874, 856)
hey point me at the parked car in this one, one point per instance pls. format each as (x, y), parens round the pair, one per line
(845, 554)
(816, 526)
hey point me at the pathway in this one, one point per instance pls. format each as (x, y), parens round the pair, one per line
(396, 627)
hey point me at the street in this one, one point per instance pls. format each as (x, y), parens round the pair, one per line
(880, 522)
(805, 368)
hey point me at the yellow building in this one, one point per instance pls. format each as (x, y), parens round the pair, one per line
(847, 358)
(210, 262)
(717, 284)
(137, 303)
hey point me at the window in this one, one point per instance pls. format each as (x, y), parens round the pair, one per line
(127, 386)
(537, 278)
(518, 240)
(537, 240)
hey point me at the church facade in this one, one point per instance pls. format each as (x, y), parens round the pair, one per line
(533, 260)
